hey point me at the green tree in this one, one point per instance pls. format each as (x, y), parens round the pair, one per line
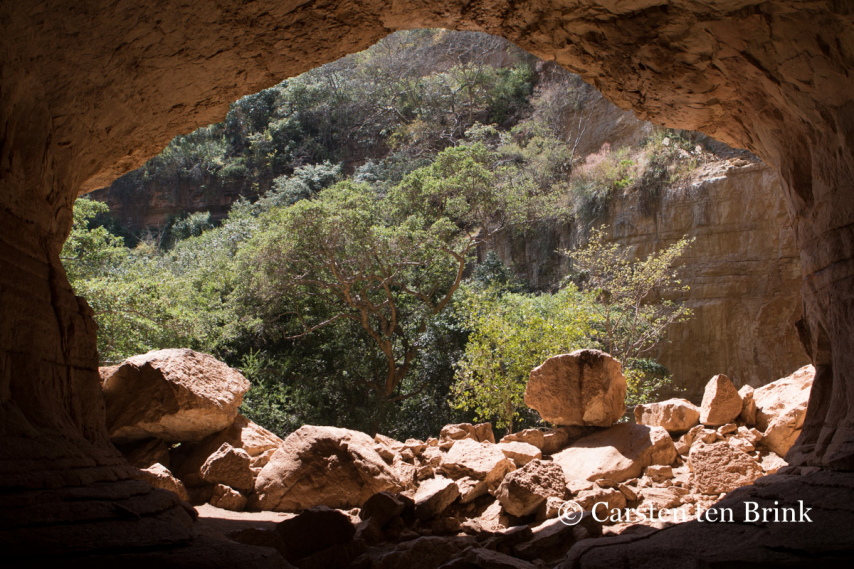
(511, 333)
(636, 301)
(382, 266)
(90, 250)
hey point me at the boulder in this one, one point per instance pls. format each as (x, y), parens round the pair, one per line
(480, 461)
(314, 530)
(781, 407)
(159, 476)
(482, 432)
(557, 439)
(532, 437)
(658, 472)
(771, 462)
(748, 406)
(259, 443)
(228, 498)
(612, 499)
(323, 466)
(229, 466)
(719, 467)
(674, 415)
(406, 472)
(523, 491)
(382, 507)
(520, 453)
(253, 438)
(683, 445)
(618, 453)
(175, 395)
(470, 489)
(721, 402)
(576, 485)
(550, 508)
(433, 496)
(586, 387)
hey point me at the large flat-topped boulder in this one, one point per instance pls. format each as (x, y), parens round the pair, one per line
(618, 453)
(323, 466)
(586, 387)
(174, 395)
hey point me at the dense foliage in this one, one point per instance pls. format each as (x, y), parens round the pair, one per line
(347, 287)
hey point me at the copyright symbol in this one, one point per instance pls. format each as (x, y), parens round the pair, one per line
(570, 513)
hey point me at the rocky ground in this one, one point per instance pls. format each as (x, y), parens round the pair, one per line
(332, 497)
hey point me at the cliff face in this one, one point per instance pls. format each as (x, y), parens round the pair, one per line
(743, 269)
(136, 206)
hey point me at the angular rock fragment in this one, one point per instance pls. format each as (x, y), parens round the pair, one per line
(481, 461)
(721, 402)
(520, 453)
(748, 406)
(159, 476)
(228, 498)
(524, 490)
(674, 415)
(781, 407)
(618, 453)
(433, 496)
(229, 466)
(532, 437)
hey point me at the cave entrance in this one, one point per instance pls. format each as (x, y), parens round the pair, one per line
(444, 106)
(102, 99)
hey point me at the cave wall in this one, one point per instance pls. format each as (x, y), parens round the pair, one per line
(91, 89)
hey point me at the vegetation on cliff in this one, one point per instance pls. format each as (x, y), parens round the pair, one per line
(346, 283)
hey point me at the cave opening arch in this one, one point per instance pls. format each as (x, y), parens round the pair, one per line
(91, 91)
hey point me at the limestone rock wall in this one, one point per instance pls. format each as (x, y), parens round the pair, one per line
(743, 269)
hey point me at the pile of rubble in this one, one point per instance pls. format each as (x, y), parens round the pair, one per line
(462, 499)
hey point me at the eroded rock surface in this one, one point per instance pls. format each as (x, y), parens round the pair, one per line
(586, 387)
(673, 415)
(720, 467)
(526, 489)
(196, 395)
(323, 466)
(618, 453)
